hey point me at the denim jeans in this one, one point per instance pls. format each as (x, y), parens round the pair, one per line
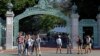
(20, 49)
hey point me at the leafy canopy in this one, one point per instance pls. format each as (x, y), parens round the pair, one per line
(19, 5)
(40, 23)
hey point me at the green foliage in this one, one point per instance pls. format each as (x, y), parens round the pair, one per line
(35, 23)
(3, 6)
(50, 21)
(18, 5)
(40, 22)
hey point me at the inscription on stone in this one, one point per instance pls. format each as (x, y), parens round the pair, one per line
(9, 21)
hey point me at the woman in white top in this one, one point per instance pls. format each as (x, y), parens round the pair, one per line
(30, 44)
(59, 43)
(89, 43)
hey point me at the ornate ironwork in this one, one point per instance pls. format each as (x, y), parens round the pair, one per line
(9, 6)
(42, 7)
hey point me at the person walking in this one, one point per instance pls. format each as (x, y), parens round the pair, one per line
(79, 43)
(91, 43)
(37, 43)
(88, 42)
(69, 45)
(30, 44)
(59, 43)
(84, 44)
(20, 41)
(33, 38)
(25, 45)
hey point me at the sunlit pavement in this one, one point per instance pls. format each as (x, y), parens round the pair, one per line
(50, 52)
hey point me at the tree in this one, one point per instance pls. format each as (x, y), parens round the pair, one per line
(63, 5)
(45, 22)
(50, 21)
(39, 23)
(19, 5)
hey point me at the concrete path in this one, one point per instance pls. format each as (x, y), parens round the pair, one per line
(51, 52)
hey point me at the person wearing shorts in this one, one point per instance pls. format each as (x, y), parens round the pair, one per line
(79, 43)
(59, 43)
(37, 43)
(69, 45)
(88, 43)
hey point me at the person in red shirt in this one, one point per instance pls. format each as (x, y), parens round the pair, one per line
(20, 41)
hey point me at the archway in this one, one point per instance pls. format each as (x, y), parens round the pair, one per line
(38, 9)
(89, 27)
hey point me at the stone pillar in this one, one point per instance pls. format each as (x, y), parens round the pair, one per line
(74, 32)
(9, 29)
(98, 30)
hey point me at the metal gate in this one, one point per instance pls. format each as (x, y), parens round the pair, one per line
(2, 32)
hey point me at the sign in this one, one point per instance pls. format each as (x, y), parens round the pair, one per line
(9, 21)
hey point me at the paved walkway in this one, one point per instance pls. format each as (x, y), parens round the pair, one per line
(50, 52)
